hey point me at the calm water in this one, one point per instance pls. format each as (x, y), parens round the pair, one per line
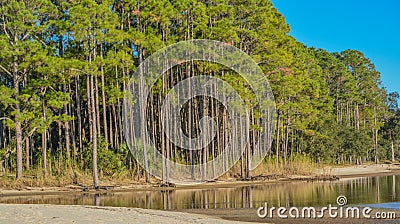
(382, 190)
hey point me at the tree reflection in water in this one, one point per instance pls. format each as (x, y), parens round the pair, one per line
(366, 190)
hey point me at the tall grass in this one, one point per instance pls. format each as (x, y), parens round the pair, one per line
(300, 165)
(295, 165)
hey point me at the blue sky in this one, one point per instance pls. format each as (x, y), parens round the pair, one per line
(372, 27)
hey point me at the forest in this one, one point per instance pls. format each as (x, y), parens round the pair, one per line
(65, 66)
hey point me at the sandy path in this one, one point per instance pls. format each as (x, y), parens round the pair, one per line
(89, 214)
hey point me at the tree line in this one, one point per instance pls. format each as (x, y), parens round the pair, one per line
(65, 67)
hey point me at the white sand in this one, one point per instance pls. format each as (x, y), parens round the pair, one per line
(90, 214)
(354, 171)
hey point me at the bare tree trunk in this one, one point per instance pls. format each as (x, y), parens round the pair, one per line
(89, 105)
(2, 137)
(97, 107)
(78, 110)
(248, 149)
(243, 156)
(357, 117)
(111, 128)
(392, 146)
(66, 123)
(277, 139)
(116, 114)
(376, 147)
(59, 144)
(115, 126)
(73, 125)
(121, 129)
(94, 137)
(44, 143)
(376, 137)
(287, 141)
(66, 126)
(27, 150)
(142, 105)
(189, 122)
(18, 128)
(103, 96)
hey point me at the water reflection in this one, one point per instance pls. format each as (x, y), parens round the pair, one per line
(96, 200)
(368, 190)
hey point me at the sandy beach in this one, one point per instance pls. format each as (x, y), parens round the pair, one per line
(89, 214)
(361, 171)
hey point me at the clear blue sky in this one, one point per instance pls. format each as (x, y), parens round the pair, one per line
(372, 27)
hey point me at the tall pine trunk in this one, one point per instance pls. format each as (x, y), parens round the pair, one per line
(94, 137)
(18, 125)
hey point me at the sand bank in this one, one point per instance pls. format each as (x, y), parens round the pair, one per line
(89, 214)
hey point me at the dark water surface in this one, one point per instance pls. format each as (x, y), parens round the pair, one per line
(381, 190)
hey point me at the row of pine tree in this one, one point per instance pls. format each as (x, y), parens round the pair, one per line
(65, 66)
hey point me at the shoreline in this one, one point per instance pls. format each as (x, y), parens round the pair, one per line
(363, 170)
(325, 174)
